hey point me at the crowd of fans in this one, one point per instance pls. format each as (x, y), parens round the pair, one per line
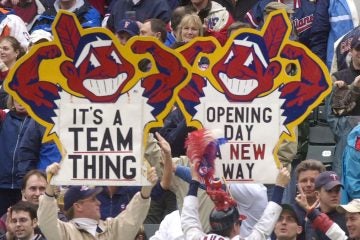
(305, 202)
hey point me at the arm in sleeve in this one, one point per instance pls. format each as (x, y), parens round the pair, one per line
(265, 226)
(321, 221)
(47, 218)
(190, 221)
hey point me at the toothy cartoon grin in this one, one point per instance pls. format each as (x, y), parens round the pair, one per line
(104, 87)
(237, 86)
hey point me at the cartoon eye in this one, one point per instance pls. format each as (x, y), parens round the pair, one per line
(249, 60)
(115, 57)
(231, 55)
(93, 61)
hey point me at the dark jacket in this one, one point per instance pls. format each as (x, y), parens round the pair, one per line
(302, 18)
(144, 10)
(32, 153)
(112, 206)
(87, 15)
(11, 131)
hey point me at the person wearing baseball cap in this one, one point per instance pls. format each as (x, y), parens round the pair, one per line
(288, 226)
(83, 211)
(322, 222)
(126, 29)
(327, 190)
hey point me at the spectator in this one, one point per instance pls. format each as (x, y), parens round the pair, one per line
(10, 51)
(288, 226)
(343, 109)
(127, 28)
(83, 209)
(143, 9)
(227, 223)
(306, 173)
(87, 15)
(114, 199)
(189, 28)
(32, 188)
(12, 127)
(323, 223)
(23, 222)
(332, 19)
(33, 153)
(215, 17)
(327, 187)
(13, 25)
(154, 28)
(29, 10)
(301, 12)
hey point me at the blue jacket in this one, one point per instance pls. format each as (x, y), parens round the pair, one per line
(87, 15)
(351, 166)
(112, 206)
(302, 18)
(32, 153)
(332, 19)
(11, 131)
(144, 10)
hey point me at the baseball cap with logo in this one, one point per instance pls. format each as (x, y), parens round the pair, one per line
(129, 26)
(351, 207)
(77, 193)
(328, 180)
(291, 211)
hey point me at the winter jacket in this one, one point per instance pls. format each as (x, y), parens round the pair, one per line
(32, 153)
(87, 15)
(332, 19)
(123, 227)
(322, 222)
(302, 17)
(11, 131)
(144, 10)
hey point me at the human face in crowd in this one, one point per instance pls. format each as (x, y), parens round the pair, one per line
(22, 225)
(123, 37)
(355, 56)
(306, 181)
(19, 108)
(7, 53)
(286, 228)
(353, 225)
(35, 187)
(145, 30)
(88, 208)
(329, 200)
(188, 32)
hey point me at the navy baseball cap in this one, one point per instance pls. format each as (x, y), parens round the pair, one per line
(291, 210)
(129, 26)
(77, 193)
(328, 180)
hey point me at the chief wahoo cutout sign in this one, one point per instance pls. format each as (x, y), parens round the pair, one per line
(98, 106)
(257, 88)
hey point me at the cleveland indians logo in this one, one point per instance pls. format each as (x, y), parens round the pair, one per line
(88, 64)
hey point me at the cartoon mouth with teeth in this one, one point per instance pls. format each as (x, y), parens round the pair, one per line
(245, 72)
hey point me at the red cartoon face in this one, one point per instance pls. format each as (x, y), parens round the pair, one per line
(244, 72)
(99, 72)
